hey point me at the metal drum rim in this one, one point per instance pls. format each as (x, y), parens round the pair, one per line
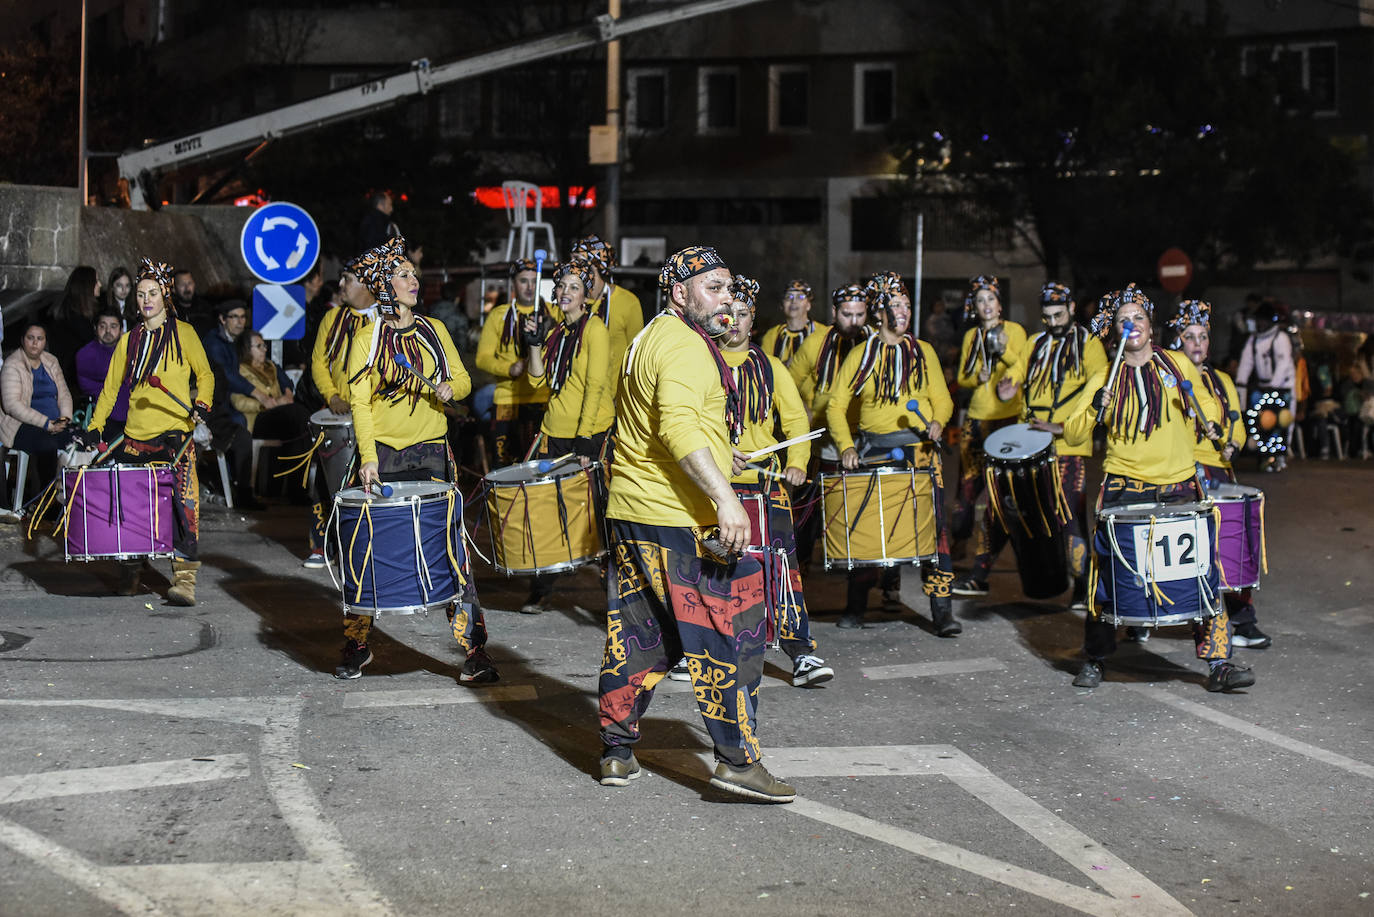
(539, 477)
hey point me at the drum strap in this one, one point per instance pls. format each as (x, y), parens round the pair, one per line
(302, 461)
(364, 516)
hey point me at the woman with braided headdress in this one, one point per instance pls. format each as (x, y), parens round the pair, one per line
(784, 340)
(991, 363)
(881, 378)
(160, 421)
(573, 362)
(401, 427)
(1151, 435)
(1192, 334)
(617, 307)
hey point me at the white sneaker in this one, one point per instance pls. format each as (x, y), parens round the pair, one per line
(10, 517)
(315, 561)
(679, 672)
(810, 670)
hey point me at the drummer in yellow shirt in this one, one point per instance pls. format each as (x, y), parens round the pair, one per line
(784, 340)
(769, 398)
(401, 427)
(503, 351)
(574, 363)
(618, 308)
(890, 370)
(1058, 362)
(160, 422)
(334, 344)
(1191, 329)
(1150, 439)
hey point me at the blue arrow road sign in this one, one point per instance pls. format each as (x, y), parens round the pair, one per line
(280, 243)
(279, 312)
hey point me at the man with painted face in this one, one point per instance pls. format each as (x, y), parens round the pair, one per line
(402, 430)
(618, 308)
(881, 378)
(1151, 435)
(1058, 363)
(991, 361)
(784, 340)
(814, 368)
(1192, 334)
(681, 585)
(335, 341)
(503, 350)
(770, 399)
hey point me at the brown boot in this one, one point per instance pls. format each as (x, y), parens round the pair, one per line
(130, 572)
(183, 591)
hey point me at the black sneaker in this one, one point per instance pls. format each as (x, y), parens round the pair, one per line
(355, 656)
(1090, 676)
(478, 669)
(1250, 636)
(967, 585)
(1228, 677)
(810, 670)
(1136, 634)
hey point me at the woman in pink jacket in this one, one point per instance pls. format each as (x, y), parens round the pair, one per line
(37, 405)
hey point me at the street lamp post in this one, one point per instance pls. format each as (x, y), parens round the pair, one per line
(81, 116)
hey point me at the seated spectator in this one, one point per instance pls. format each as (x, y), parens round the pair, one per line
(231, 438)
(279, 415)
(73, 318)
(37, 407)
(221, 346)
(1356, 394)
(92, 362)
(119, 299)
(190, 306)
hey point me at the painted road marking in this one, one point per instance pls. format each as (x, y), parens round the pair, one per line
(76, 869)
(429, 697)
(121, 777)
(1258, 732)
(1127, 891)
(922, 669)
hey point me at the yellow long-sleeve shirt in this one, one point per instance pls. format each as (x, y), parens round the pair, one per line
(1227, 400)
(779, 342)
(497, 358)
(1165, 456)
(153, 412)
(880, 416)
(624, 321)
(584, 406)
(785, 407)
(805, 368)
(331, 374)
(1051, 387)
(985, 405)
(670, 404)
(394, 420)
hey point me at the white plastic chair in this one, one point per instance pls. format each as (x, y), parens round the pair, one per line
(520, 237)
(21, 474)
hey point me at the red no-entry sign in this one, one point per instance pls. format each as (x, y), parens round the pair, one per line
(1175, 270)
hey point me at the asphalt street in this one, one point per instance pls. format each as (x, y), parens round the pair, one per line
(159, 760)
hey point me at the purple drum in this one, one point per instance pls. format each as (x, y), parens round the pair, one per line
(118, 512)
(1240, 535)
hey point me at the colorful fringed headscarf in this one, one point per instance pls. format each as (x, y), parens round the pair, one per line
(599, 252)
(882, 288)
(375, 268)
(160, 273)
(1114, 302)
(147, 349)
(798, 286)
(1055, 294)
(745, 290)
(1190, 312)
(850, 292)
(686, 264)
(981, 282)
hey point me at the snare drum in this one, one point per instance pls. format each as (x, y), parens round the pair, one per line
(1027, 498)
(1240, 535)
(401, 554)
(1160, 563)
(118, 512)
(544, 522)
(879, 518)
(337, 448)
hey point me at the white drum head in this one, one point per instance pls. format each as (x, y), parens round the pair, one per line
(401, 491)
(1016, 442)
(327, 418)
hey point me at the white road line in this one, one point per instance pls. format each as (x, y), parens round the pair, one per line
(77, 870)
(943, 667)
(1128, 891)
(1259, 732)
(121, 777)
(249, 889)
(430, 697)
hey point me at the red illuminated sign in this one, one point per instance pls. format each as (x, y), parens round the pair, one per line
(551, 196)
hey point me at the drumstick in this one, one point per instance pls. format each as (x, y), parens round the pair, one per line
(404, 363)
(156, 383)
(1126, 328)
(784, 444)
(547, 465)
(1197, 409)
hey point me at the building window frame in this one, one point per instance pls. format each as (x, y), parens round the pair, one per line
(775, 75)
(861, 69)
(704, 125)
(632, 76)
(1252, 53)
